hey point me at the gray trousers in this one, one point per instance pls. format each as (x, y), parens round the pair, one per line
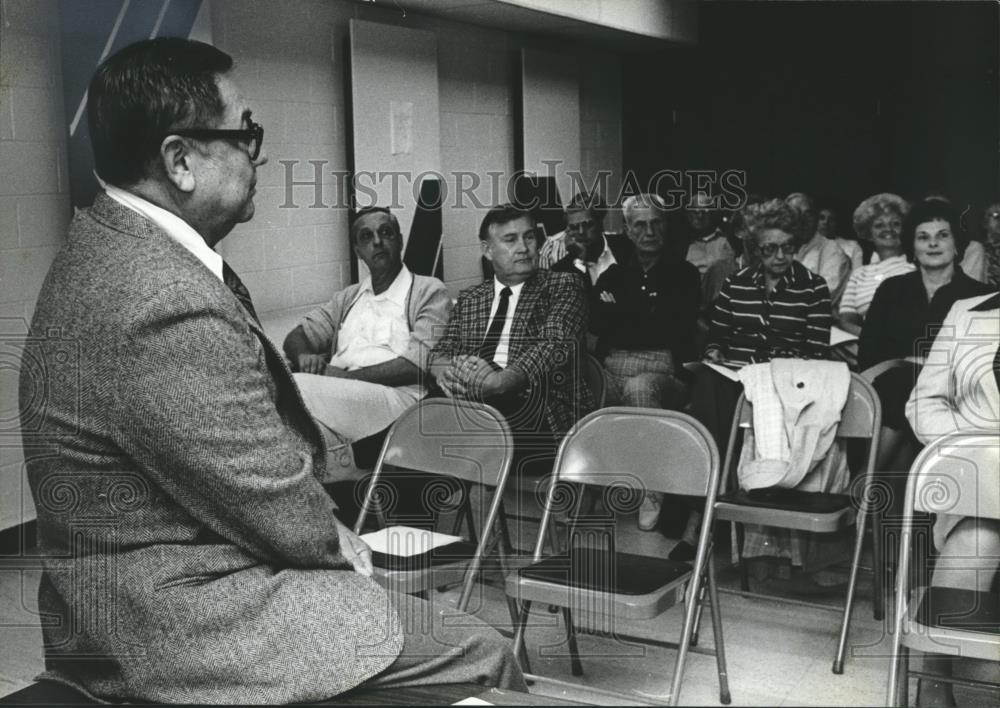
(442, 645)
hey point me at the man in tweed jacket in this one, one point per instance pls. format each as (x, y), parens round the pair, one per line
(191, 554)
(531, 370)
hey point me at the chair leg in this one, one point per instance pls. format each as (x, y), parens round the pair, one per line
(720, 645)
(744, 571)
(693, 592)
(574, 653)
(903, 697)
(845, 625)
(520, 652)
(880, 579)
(698, 613)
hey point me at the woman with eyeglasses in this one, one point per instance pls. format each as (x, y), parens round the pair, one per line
(905, 314)
(772, 308)
(775, 307)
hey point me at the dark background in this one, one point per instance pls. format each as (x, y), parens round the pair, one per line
(839, 100)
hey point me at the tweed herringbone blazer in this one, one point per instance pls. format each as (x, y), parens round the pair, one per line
(191, 553)
(546, 340)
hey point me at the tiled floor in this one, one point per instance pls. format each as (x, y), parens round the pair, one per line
(778, 653)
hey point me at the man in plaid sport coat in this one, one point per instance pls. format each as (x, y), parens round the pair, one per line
(516, 341)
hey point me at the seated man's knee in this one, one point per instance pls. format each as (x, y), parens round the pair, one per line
(642, 390)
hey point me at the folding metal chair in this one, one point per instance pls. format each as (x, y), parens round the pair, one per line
(626, 451)
(957, 475)
(812, 511)
(466, 441)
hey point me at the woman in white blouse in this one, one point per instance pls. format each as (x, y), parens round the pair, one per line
(879, 221)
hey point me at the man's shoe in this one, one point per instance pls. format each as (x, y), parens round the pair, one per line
(649, 511)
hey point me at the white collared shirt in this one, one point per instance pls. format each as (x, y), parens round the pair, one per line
(709, 249)
(174, 226)
(376, 329)
(597, 268)
(503, 346)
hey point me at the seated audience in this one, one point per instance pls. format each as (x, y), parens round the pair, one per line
(957, 390)
(516, 340)
(708, 242)
(906, 311)
(991, 244)
(190, 553)
(775, 307)
(818, 253)
(362, 357)
(828, 226)
(646, 316)
(883, 214)
(883, 231)
(592, 252)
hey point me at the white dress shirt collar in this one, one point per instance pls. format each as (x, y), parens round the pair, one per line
(397, 292)
(174, 226)
(597, 268)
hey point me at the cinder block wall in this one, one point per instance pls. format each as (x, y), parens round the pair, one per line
(34, 207)
(291, 61)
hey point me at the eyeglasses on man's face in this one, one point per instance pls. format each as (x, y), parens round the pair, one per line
(252, 135)
(770, 249)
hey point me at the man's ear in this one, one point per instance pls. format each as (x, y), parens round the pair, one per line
(487, 251)
(175, 156)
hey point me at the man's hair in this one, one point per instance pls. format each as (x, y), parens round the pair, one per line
(592, 203)
(640, 201)
(933, 209)
(145, 91)
(365, 211)
(503, 214)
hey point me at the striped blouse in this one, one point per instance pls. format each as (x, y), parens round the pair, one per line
(750, 326)
(865, 280)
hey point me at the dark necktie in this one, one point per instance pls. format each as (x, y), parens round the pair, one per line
(234, 283)
(488, 349)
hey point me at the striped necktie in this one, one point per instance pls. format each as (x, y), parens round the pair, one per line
(234, 283)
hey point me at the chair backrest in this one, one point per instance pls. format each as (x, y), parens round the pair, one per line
(597, 381)
(860, 418)
(460, 439)
(641, 448)
(958, 474)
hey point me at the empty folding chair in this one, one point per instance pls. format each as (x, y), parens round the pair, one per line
(955, 475)
(625, 452)
(465, 441)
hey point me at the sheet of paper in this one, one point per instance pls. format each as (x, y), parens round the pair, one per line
(839, 336)
(731, 374)
(406, 541)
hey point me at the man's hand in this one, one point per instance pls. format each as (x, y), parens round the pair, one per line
(356, 551)
(607, 297)
(336, 372)
(311, 363)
